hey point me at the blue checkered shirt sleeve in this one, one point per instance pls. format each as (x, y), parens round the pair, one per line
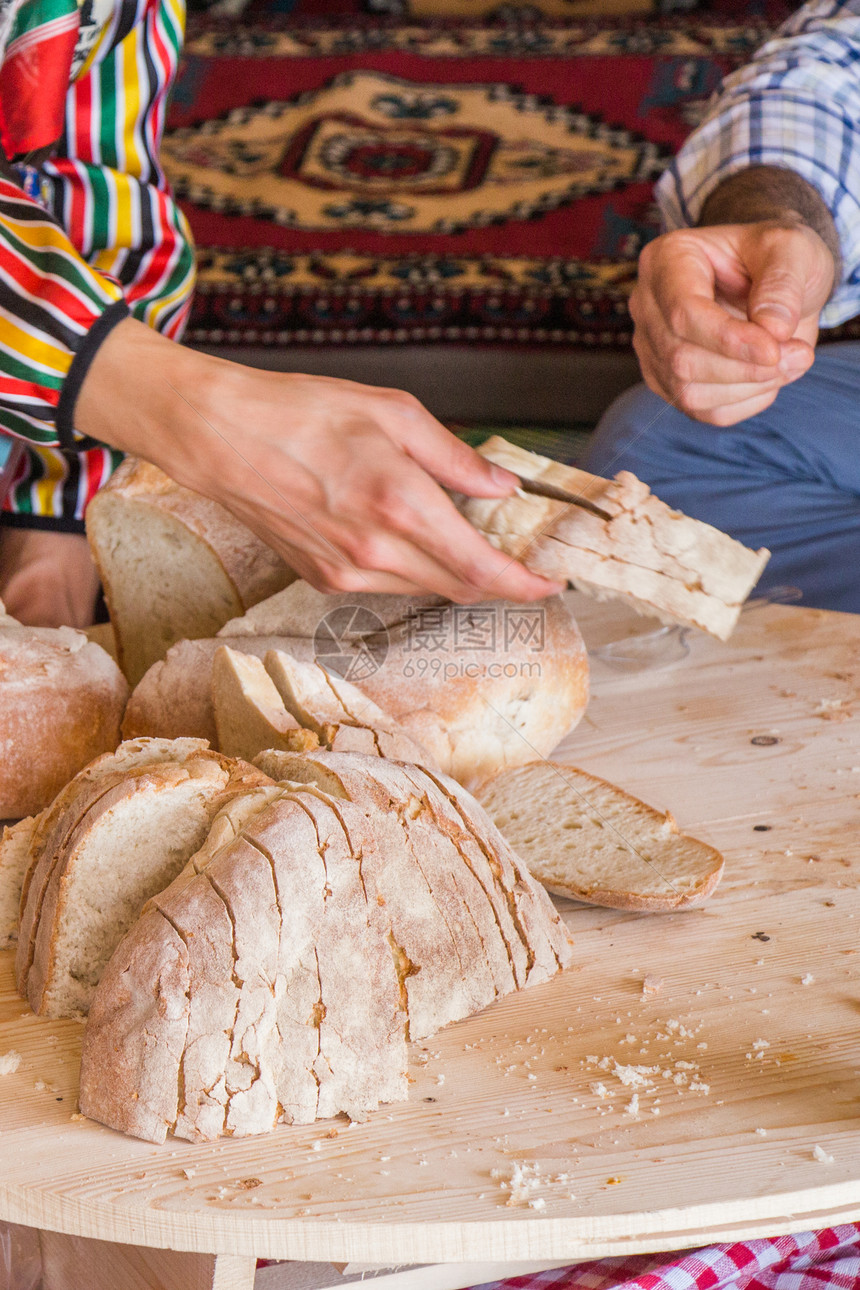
(797, 105)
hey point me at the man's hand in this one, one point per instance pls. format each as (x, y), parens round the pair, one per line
(342, 480)
(726, 315)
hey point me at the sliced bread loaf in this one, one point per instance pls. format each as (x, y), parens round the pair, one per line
(477, 687)
(281, 980)
(586, 839)
(660, 562)
(174, 565)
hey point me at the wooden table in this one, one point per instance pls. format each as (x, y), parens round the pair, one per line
(748, 1009)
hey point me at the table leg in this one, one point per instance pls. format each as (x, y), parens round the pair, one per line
(71, 1262)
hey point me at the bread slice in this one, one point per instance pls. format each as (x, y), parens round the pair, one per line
(343, 718)
(660, 562)
(174, 565)
(249, 712)
(14, 859)
(129, 845)
(53, 826)
(588, 840)
(122, 837)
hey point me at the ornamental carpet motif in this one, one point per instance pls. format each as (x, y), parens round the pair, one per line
(367, 180)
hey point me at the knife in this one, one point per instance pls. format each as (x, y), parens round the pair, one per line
(539, 489)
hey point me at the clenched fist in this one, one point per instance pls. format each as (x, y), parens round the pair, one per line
(726, 315)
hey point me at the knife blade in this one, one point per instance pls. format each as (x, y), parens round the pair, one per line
(539, 489)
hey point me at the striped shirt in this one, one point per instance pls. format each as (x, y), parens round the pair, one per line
(796, 105)
(92, 236)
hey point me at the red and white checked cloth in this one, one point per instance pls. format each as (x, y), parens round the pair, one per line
(829, 1258)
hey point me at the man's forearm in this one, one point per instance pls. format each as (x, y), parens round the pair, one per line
(772, 193)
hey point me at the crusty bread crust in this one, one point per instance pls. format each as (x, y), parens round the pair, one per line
(135, 1038)
(61, 703)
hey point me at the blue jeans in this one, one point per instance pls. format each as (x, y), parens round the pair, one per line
(787, 479)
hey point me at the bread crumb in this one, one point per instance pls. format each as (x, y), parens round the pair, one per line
(9, 1062)
(632, 1107)
(651, 985)
(524, 1180)
(189, 1173)
(762, 1133)
(807, 979)
(635, 1076)
(821, 1155)
(76, 1115)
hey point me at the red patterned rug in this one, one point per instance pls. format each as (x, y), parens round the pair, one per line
(367, 179)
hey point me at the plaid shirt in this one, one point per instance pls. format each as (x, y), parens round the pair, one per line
(796, 105)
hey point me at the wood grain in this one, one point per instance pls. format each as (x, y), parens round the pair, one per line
(754, 1067)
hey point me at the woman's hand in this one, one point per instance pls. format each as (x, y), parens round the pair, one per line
(344, 481)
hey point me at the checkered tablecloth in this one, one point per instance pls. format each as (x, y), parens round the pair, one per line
(825, 1260)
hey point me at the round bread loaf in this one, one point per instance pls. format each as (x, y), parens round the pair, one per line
(479, 686)
(61, 703)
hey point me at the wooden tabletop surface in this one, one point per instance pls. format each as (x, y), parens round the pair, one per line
(528, 1133)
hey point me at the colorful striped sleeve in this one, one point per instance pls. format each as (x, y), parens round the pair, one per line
(126, 240)
(109, 190)
(50, 302)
